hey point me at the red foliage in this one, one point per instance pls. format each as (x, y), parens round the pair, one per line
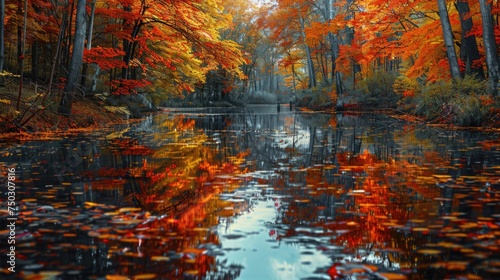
(106, 58)
(127, 87)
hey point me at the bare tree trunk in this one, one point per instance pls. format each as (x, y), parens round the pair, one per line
(2, 32)
(76, 60)
(21, 45)
(330, 13)
(469, 51)
(490, 47)
(65, 57)
(23, 121)
(310, 64)
(34, 61)
(448, 40)
(89, 43)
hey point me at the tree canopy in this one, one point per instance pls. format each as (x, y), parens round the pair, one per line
(218, 48)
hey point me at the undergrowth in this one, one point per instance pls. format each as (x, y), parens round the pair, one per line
(88, 112)
(462, 102)
(377, 90)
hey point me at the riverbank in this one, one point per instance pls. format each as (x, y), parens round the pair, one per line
(481, 113)
(91, 113)
(24, 121)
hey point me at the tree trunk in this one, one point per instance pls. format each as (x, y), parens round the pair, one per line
(34, 61)
(330, 14)
(19, 39)
(310, 64)
(490, 47)
(130, 46)
(66, 57)
(89, 42)
(469, 51)
(448, 40)
(2, 32)
(323, 66)
(76, 60)
(21, 45)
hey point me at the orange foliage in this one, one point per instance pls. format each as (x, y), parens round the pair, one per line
(185, 124)
(365, 158)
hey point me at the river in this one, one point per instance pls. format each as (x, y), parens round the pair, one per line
(261, 192)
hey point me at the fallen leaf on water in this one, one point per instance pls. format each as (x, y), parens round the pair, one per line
(116, 277)
(145, 276)
(129, 209)
(201, 229)
(160, 259)
(191, 272)
(429, 252)
(129, 240)
(420, 229)
(451, 265)
(392, 276)
(456, 234)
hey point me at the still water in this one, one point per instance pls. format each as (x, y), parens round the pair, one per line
(253, 193)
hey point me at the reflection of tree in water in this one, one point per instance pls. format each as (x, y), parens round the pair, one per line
(360, 191)
(374, 206)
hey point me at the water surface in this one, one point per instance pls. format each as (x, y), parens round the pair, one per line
(256, 193)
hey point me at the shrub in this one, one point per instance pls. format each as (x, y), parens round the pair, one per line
(263, 97)
(378, 90)
(7, 110)
(461, 102)
(319, 97)
(472, 109)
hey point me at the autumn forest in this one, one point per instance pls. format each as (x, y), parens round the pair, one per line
(61, 60)
(249, 139)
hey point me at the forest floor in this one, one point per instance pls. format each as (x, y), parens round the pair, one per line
(31, 122)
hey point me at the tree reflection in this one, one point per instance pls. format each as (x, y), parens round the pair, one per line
(156, 200)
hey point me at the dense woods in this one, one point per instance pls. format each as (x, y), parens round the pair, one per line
(261, 191)
(434, 59)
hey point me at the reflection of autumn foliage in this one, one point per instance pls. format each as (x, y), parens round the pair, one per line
(171, 245)
(172, 175)
(206, 172)
(129, 146)
(381, 198)
(333, 121)
(179, 182)
(490, 144)
(229, 168)
(108, 184)
(365, 158)
(158, 185)
(185, 124)
(434, 157)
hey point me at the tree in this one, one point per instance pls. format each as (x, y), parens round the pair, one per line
(490, 47)
(89, 45)
(21, 45)
(448, 40)
(469, 52)
(288, 23)
(76, 60)
(158, 40)
(2, 31)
